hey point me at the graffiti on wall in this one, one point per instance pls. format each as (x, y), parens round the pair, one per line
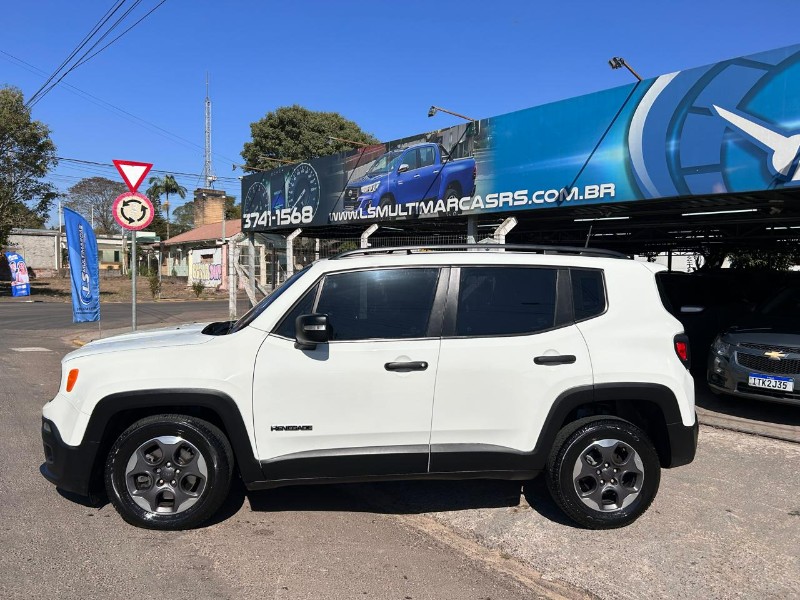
(206, 266)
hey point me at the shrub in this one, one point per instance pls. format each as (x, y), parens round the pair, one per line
(197, 288)
(155, 285)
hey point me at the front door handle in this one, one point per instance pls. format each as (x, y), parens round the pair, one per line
(558, 359)
(418, 365)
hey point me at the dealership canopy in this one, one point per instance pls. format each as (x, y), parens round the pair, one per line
(704, 155)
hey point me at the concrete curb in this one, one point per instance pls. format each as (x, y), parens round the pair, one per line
(775, 431)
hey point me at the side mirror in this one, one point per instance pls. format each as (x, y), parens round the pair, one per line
(311, 330)
(403, 168)
(689, 310)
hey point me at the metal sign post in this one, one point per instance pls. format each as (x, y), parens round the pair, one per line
(133, 281)
(133, 211)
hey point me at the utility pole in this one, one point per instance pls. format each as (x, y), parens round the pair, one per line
(208, 171)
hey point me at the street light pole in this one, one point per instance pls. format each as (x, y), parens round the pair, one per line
(618, 62)
(434, 109)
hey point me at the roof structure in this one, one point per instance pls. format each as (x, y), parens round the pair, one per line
(208, 232)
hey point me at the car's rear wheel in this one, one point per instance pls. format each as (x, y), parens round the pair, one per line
(169, 472)
(603, 472)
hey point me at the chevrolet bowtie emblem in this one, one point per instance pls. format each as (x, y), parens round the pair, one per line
(775, 355)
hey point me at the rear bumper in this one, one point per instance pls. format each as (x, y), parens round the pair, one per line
(682, 442)
(68, 467)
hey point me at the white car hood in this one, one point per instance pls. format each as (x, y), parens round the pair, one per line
(182, 335)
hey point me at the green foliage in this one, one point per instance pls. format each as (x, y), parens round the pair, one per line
(183, 218)
(197, 288)
(232, 210)
(294, 133)
(26, 155)
(96, 193)
(762, 259)
(163, 186)
(155, 284)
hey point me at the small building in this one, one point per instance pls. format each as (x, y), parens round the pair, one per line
(44, 250)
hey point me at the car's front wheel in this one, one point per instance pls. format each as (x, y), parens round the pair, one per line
(169, 472)
(603, 472)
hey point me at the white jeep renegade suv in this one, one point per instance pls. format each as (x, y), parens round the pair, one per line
(403, 363)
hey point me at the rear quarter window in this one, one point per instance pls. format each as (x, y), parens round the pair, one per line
(588, 293)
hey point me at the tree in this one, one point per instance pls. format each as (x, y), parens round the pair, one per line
(294, 133)
(184, 218)
(163, 186)
(184, 215)
(26, 155)
(96, 195)
(232, 210)
(773, 259)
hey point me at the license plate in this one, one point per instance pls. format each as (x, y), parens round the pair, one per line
(783, 384)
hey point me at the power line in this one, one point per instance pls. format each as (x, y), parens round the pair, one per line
(151, 11)
(83, 58)
(103, 20)
(130, 117)
(100, 164)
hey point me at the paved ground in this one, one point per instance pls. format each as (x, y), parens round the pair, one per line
(727, 526)
(321, 542)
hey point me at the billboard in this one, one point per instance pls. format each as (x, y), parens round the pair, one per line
(729, 127)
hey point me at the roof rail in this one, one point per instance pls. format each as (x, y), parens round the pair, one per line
(570, 250)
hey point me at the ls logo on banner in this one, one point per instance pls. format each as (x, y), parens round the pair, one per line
(20, 283)
(84, 270)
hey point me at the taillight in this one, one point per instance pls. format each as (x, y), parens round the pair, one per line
(682, 349)
(474, 172)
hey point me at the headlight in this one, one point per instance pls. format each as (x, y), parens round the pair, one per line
(368, 189)
(721, 348)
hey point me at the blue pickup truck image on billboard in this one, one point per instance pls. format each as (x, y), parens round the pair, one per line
(418, 173)
(729, 127)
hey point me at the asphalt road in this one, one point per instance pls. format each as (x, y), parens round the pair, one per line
(315, 542)
(726, 526)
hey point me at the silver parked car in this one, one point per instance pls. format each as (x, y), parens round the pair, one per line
(760, 356)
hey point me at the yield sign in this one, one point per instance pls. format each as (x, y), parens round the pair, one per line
(132, 172)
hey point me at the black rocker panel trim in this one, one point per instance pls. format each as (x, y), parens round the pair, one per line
(174, 400)
(348, 463)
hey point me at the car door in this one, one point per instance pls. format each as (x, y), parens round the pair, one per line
(360, 404)
(509, 349)
(407, 181)
(424, 182)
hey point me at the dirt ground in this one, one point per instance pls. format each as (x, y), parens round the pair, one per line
(112, 289)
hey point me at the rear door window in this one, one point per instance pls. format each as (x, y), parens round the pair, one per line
(505, 300)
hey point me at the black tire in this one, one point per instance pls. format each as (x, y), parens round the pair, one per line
(386, 201)
(452, 192)
(182, 467)
(624, 488)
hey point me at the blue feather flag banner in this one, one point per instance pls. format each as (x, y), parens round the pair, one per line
(84, 269)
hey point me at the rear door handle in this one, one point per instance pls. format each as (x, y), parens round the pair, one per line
(558, 359)
(418, 365)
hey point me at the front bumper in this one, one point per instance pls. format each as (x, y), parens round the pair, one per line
(727, 376)
(68, 467)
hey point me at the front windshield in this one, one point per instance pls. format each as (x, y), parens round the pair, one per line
(385, 163)
(251, 314)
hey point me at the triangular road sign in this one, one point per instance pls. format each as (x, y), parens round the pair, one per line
(133, 172)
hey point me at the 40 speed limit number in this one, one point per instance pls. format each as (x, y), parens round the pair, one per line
(282, 216)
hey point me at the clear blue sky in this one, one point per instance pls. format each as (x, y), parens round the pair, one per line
(381, 64)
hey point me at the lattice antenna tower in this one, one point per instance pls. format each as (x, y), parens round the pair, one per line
(208, 171)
